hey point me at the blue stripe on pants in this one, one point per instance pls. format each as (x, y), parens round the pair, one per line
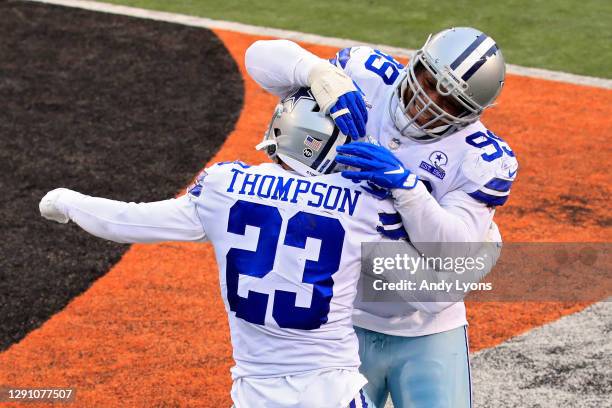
(364, 404)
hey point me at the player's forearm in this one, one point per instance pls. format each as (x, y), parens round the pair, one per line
(169, 220)
(426, 221)
(279, 66)
(432, 302)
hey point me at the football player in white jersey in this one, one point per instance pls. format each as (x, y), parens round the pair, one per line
(287, 237)
(424, 120)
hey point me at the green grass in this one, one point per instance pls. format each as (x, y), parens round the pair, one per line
(564, 35)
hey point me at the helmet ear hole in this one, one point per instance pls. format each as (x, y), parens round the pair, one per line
(277, 132)
(316, 108)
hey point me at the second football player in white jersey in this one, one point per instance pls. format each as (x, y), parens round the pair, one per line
(288, 247)
(427, 116)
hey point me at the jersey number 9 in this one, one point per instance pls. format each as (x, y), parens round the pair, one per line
(384, 66)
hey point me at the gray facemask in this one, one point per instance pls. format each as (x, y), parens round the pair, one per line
(407, 126)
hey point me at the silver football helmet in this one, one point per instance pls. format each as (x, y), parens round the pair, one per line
(466, 68)
(302, 136)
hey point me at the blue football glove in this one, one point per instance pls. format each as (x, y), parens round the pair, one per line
(377, 165)
(350, 114)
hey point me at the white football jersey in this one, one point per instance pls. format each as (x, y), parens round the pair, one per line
(468, 173)
(472, 160)
(288, 249)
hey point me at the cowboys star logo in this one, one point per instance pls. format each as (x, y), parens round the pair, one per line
(301, 93)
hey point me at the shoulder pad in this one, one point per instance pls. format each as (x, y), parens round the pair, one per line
(195, 189)
(236, 162)
(490, 168)
(342, 57)
(225, 166)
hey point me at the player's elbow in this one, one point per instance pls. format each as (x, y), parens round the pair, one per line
(255, 56)
(254, 50)
(264, 51)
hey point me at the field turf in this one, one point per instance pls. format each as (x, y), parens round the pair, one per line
(563, 35)
(122, 110)
(133, 109)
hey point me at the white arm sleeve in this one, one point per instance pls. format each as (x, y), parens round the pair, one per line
(457, 218)
(488, 252)
(168, 220)
(279, 66)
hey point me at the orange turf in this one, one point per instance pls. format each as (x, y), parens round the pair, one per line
(153, 331)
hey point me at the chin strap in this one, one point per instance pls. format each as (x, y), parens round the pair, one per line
(265, 145)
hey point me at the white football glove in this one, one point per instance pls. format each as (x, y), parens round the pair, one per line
(49, 209)
(328, 83)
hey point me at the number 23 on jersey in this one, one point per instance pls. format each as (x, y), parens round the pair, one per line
(260, 262)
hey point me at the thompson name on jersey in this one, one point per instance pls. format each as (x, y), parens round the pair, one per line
(288, 249)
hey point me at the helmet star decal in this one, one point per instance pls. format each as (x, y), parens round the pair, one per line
(302, 93)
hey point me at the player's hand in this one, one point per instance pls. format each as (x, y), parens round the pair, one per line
(337, 94)
(49, 209)
(350, 114)
(376, 164)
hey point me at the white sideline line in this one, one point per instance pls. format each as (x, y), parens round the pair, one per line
(304, 37)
